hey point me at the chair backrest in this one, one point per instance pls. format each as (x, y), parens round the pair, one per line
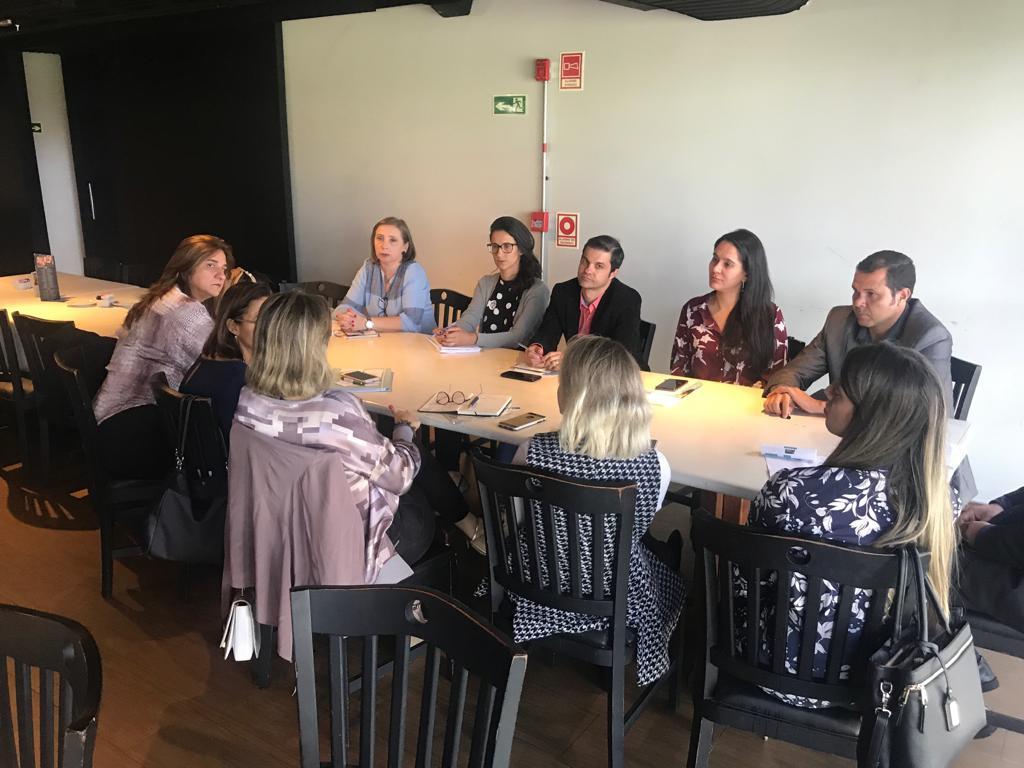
(725, 551)
(140, 273)
(474, 648)
(10, 368)
(205, 455)
(646, 342)
(71, 366)
(333, 292)
(57, 677)
(34, 333)
(965, 380)
(526, 510)
(448, 305)
(103, 268)
(794, 347)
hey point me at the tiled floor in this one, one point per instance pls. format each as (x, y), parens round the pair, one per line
(170, 699)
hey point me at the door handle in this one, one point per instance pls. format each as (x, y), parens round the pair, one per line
(92, 202)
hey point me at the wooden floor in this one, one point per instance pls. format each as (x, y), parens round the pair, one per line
(170, 700)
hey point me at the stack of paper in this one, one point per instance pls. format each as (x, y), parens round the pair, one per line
(535, 371)
(453, 350)
(788, 457)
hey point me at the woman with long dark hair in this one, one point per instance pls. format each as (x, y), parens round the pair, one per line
(885, 485)
(735, 334)
(163, 333)
(507, 306)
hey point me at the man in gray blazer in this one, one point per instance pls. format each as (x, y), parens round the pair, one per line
(882, 310)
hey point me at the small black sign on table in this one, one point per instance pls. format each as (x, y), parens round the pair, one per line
(46, 277)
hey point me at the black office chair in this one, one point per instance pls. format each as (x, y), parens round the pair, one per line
(16, 389)
(728, 685)
(122, 503)
(140, 273)
(405, 615)
(48, 399)
(646, 342)
(794, 347)
(448, 306)
(334, 292)
(996, 636)
(965, 380)
(514, 554)
(69, 674)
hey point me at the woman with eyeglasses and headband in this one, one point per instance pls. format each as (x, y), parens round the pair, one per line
(390, 292)
(507, 306)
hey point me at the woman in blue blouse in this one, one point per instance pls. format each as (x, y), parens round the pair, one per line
(885, 484)
(390, 292)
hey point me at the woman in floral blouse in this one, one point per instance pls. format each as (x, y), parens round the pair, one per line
(885, 484)
(735, 334)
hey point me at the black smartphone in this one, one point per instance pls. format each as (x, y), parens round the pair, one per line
(521, 376)
(362, 378)
(522, 421)
(672, 385)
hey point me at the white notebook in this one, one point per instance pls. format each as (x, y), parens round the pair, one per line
(472, 350)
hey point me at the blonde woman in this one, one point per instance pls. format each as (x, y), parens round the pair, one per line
(289, 396)
(164, 332)
(605, 435)
(885, 485)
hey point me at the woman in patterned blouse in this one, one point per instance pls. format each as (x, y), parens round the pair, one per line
(508, 306)
(605, 436)
(735, 334)
(885, 484)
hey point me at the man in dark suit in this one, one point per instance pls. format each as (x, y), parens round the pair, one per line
(595, 302)
(992, 562)
(882, 310)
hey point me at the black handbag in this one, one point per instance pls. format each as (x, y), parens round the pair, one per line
(924, 695)
(177, 529)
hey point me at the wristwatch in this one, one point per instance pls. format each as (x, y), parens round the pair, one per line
(369, 325)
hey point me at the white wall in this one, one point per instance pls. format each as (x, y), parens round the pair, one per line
(45, 83)
(844, 128)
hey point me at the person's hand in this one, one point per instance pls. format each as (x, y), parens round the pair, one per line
(552, 360)
(979, 512)
(535, 355)
(401, 415)
(350, 320)
(783, 400)
(969, 530)
(456, 337)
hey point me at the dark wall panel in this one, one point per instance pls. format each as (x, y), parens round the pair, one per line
(22, 220)
(176, 129)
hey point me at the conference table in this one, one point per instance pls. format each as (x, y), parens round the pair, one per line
(712, 437)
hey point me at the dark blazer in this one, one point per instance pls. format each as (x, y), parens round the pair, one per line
(617, 316)
(991, 573)
(917, 328)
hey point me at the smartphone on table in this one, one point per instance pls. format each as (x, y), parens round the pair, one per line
(671, 385)
(522, 421)
(362, 378)
(521, 376)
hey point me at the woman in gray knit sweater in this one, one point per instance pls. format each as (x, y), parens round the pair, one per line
(507, 306)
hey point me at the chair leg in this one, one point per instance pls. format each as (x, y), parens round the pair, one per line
(702, 734)
(616, 717)
(262, 664)
(26, 460)
(106, 554)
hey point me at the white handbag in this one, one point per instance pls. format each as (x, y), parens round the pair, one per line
(241, 635)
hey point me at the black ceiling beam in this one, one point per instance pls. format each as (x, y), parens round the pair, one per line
(717, 10)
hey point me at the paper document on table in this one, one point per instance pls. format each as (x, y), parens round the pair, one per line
(485, 405)
(788, 457)
(471, 350)
(535, 371)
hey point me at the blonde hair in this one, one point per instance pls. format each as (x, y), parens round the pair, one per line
(605, 413)
(183, 262)
(289, 356)
(899, 424)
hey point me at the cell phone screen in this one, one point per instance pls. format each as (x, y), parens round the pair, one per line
(672, 385)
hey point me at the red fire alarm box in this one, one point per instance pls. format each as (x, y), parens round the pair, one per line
(539, 221)
(542, 69)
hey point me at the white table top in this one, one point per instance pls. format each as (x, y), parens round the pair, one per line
(101, 320)
(711, 438)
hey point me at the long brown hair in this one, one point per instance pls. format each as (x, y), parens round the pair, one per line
(233, 304)
(187, 256)
(899, 424)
